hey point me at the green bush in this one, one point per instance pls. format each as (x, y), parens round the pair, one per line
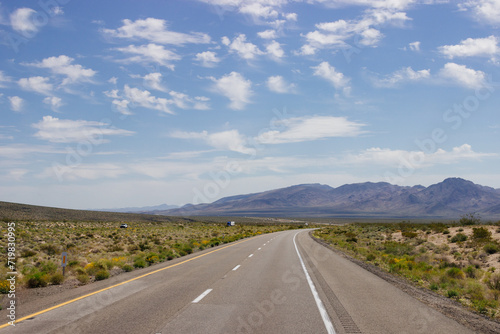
(409, 234)
(83, 278)
(27, 253)
(455, 273)
(101, 274)
(37, 280)
(127, 267)
(481, 234)
(470, 271)
(491, 248)
(371, 257)
(459, 237)
(140, 263)
(57, 278)
(452, 293)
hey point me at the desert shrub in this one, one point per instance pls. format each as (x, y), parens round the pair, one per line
(104, 264)
(27, 253)
(494, 282)
(470, 271)
(140, 263)
(446, 231)
(37, 280)
(56, 278)
(127, 267)
(397, 248)
(481, 234)
(409, 234)
(49, 249)
(434, 286)
(152, 258)
(371, 257)
(491, 248)
(459, 237)
(455, 273)
(101, 274)
(83, 278)
(351, 237)
(452, 293)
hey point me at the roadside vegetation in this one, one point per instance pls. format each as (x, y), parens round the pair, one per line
(459, 261)
(98, 250)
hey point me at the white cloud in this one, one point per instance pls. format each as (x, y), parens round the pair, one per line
(16, 103)
(236, 88)
(58, 130)
(329, 73)
(300, 129)
(274, 50)
(153, 80)
(63, 65)
(113, 80)
(207, 58)
(470, 47)
(483, 10)
(3, 79)
(22, 21)
(405, 74)
(230, 140)
(122, 106)
(414, 46)
(143, 98)
(335, 34)
(258, 10)
(150, 53)
(268, 34)
(156, 31)
(462, 75)
(37, 84)
(388, 157)
(53, 101)
(278, 85)
(244, 49)
(16, 151)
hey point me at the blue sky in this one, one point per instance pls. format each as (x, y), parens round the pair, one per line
(134, 103)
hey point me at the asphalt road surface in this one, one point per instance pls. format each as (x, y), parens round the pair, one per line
(276, 283)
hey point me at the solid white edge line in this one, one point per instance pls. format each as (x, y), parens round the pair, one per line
(236, 268)
(203, 295)
(250, 255)
(319, 303)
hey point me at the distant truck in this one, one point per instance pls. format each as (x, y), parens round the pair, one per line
(231, 223)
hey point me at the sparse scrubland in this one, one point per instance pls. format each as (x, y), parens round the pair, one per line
(98, 250)
(459, 261)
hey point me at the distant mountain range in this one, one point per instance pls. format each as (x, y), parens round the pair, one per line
(448, 199)
(143, 209)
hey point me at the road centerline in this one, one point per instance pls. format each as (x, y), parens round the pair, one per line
(203, 295)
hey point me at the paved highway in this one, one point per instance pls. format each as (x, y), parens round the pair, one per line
(277, 283)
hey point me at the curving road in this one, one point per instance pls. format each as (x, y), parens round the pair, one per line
(277, 283)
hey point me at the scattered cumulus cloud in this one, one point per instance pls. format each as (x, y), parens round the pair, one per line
(406, 74)
(278, 85)
(268, 34)
(274, 50)
(487, 11)
(144, 98)
(150, 53)
(414, 46)
(36, 84)
(236, 88)
(21, 20)
(16, 103)
(329, 73)
(472, 47)
(54, 102)
(462, 75)
(240, 46)
(207, 58)
(154, 81)
(63, 65)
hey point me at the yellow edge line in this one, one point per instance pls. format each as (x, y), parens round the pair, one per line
(114, 286)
